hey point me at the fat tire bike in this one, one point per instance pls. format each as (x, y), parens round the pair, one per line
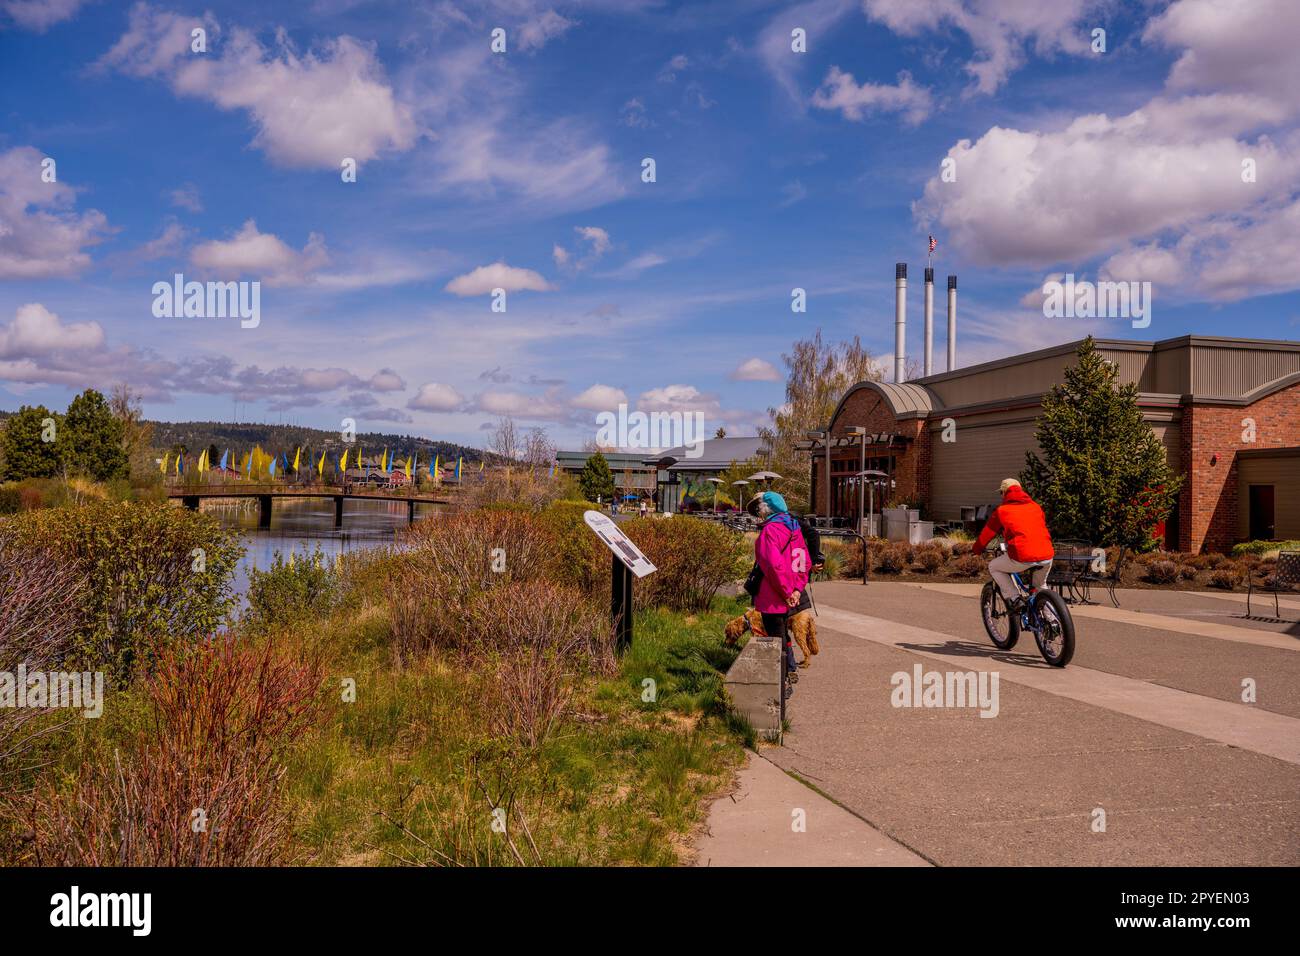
(1042, 612)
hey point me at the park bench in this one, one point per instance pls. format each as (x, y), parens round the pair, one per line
(1284, 577)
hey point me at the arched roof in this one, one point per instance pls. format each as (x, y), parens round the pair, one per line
(905, 399)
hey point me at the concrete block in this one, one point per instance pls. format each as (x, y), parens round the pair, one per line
(753, 685)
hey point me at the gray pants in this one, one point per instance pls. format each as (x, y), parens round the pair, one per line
(1002, 566)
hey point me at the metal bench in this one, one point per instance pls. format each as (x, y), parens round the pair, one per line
(1284, 577)
(1071, 562)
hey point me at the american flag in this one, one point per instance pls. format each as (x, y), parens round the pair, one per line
(933, 243)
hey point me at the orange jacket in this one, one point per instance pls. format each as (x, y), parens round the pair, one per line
(1022, 525)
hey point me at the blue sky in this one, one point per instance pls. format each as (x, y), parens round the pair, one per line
(775, 169)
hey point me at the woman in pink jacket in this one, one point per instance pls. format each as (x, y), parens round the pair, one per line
(782, 556)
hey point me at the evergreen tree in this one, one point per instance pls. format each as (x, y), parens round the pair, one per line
(91, 439)
(595, 479)
(28, 446)
(1103, 475)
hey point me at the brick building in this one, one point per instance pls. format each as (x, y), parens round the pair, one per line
(1226, 410)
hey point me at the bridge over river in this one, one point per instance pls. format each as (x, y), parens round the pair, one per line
(267, 493)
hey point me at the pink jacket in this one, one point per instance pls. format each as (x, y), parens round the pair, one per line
(778, 551)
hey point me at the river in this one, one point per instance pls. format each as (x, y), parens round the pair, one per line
(302, 525)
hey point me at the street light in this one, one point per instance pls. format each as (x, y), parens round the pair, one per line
(716, 482)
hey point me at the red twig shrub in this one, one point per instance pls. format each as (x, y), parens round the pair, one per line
(201, 787)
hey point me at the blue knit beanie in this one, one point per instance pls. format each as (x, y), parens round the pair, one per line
(775, 502)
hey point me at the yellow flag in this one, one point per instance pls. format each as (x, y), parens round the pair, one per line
(359, 465)
(320, 468)
(343, 465)
(437, 471)
(408, 467)
(383, 461)
(163, 466)
(481, 464)
(296, 455)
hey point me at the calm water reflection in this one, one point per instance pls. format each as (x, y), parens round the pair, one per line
(301, 525)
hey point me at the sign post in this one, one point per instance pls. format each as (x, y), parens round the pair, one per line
(628, 562)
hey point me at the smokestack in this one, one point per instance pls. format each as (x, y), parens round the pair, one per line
(929, 320)
(952, 322)
(900, 318)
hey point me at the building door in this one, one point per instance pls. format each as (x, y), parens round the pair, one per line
(1261, 513)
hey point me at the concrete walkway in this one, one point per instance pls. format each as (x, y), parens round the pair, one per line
(1141, 752)
(774, 820)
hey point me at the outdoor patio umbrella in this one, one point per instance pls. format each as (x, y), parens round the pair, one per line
(715, 482)
(763, 476)
(872, 478)
(738, 485)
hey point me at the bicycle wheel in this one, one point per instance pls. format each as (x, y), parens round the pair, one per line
(1003, 627)
(1056, 635)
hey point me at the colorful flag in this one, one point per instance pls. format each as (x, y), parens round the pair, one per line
(933, 243)
(458, 461)
(224, 456)
(343, 465)
(296, 455)
(320, 467)
(383, 461)
(163, 467)
(408, 467)
(180, 464)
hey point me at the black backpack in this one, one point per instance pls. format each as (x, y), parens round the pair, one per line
(812, 538)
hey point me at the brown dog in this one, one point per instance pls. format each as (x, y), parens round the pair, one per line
(803, 629)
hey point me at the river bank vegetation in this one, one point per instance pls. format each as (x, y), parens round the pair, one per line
(456, 700)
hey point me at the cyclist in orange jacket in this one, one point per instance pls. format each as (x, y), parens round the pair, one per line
(1023, 527)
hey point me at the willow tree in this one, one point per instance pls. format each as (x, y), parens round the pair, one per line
(818, 374)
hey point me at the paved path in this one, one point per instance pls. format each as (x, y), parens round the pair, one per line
(1147, 727)
(772, 819)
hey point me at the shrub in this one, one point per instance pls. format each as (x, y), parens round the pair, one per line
(448, 561)
(1263, 547)
(930, 559)
(154, 574)
(852, 555)
(968, 566)
(1225, 578)
(292, 589)
(1162, 572)
(694, 558)
(224, 714)
(11, 499)
(578, 558)
(892, 558)
(962, 548)
(41, 600)
(539, 639)
(1187, 572)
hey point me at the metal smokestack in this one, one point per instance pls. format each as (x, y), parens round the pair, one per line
(929, 320)
(900, 318)
(952, 322)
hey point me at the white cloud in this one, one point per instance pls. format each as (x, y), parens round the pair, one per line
(793, 192)
(40, 15)
(261, 254)
(311, 110)
(599, 398)
(816, 17)
(598, 243)
(386, 380)
(36, 333)
(999, 30)
(537, 31)
(560, 255)
(756, 370)
(839, 91)
(40, 235)
(498, 275)
(598, 238)
(187, 197)
(546, 407)
(668, 74)
(436, 397)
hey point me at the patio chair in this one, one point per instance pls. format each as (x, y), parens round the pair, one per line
(1069, 567)
(1108, 579)
(1285, 577)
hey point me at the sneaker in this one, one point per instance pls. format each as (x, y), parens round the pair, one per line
(792, 677)
(789, 691)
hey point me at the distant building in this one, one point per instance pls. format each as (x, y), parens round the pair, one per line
(631, 474)
(1227, 411)
(684, 471)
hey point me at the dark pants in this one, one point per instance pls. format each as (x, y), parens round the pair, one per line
(774, 625)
